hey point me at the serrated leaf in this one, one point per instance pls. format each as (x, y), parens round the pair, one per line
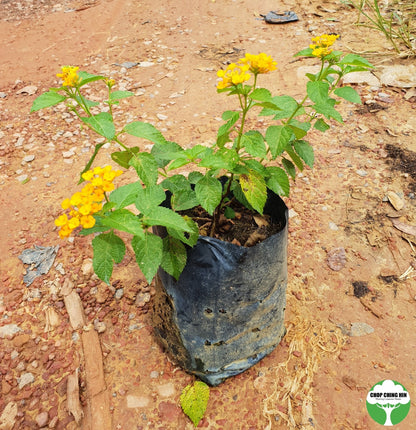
(125, 195)
(304, 53)
(194, 177)
(186, 237)
(224, 158)
(174, 256)
(165, 152)
(122, 158)
(253, 142)
(86, 78)
(321, 125)
(356, 60)
(277, 137)
(108, 249)
(102, 124)
(145, 131)
(146, 167)
(349, 94)
(123, 220)
(287, 106)
(149, 197)
(318, 91)
(231, 117)
(183, 200)
(118, 95)
(194, 401)
(289, 167)
(255, 190)
(167, 218)
(295, 158)
(328, 111)
(48, 99)
(149, 251)
(305, 151)
(208, 192)
(278, 181)
(261, 94)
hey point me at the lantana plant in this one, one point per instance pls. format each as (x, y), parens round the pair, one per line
(241, 163)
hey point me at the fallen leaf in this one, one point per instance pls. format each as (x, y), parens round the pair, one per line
(395, 200)
(405, 228)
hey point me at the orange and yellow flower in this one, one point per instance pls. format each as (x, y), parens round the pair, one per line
(85, 203)
(234, 74)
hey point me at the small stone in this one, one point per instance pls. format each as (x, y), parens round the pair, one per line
(154, 374)
(336, 259)
(362, 172)
(146, 64)
(20, 340)
(42, 419)
(99, 326)
(29, 90)
(67, 134)
(9, 330)
(3, 95)
(142, 298)
(22, 178)
(28, 159)
(161, 116)
(395, 200)
(292, 213)
(19, 142)
(87, 268)
(25, 379)
(360, 329)
(119, 293)
(167, 390)
(333, 226)
(67, 154)
(137, 401)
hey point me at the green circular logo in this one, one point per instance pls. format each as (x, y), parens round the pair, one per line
(388, 402)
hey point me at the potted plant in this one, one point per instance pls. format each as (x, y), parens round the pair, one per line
(220, 299)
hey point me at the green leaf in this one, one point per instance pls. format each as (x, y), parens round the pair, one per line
(149, 252)
(253, 142)
(82, 100)
(146, 167)
(229, 213)
(118, 95)
(321, 125)
(174, 256)
(277, 137)
(348, 94)
(165, 152)
(278, 181)
(261, 94)
(208, 192)
(287, 106)
(318, 91)
(300, 129)
(108, 249)
(305, 151)
(356, 60)
(184, 199)
(305, 53)
(124, 220)
(194, 401)
(224, 158)
(166, 218)
(255, 190)
(194, 177)
(289, 167)
(327, 109)
(50, 98)
(186, 237)
(149, 197)
(126, 194)
(145, 131)
(176, 183)
(295, 158)
(102, 124)
(122, 158)
(231, 117)
(86, 78)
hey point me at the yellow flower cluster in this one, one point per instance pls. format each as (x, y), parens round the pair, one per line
(321, 44)
(69, 76)
(237, 73)
(83, 204)
(234, 74)
(260, 63)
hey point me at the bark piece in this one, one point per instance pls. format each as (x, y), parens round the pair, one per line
(72, 397)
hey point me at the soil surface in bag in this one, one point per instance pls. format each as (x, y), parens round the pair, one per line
(226, 311)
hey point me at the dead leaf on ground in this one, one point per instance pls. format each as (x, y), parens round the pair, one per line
(405, 228)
